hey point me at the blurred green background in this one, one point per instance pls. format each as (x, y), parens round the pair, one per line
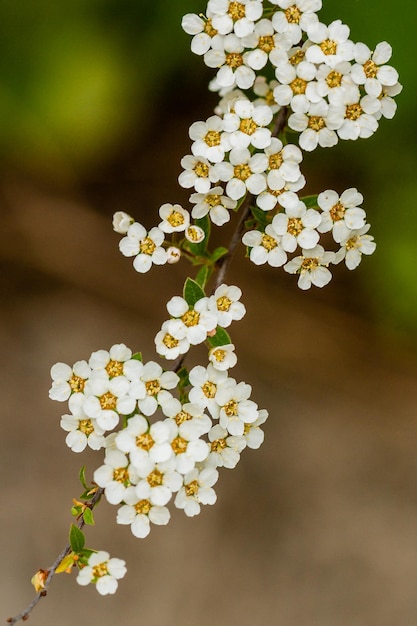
(86, 86)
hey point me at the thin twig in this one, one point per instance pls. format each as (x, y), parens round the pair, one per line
(24, 615)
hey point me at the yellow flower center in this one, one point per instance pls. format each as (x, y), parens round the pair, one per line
(234, 60)
(145, 441)
(316, 123)
(147, 246)
(100, 570)
(219, 355)
(334, 79)
(248, 126)
(309, 264)
(242, 172)
(295, 226)
(297, 57)
(213, 199)
(298, 86)
(275, 161)
(337, 212)
(176, 219)
(208, 28)
(179, 445)
(155, 478)
(236, 11)
(182, 416)
(293, 14)
(121, 475)
(114, 368)
(192, 488)
(353, 111)
(143, 507)
(153, 387)
(213, 138)
(231, 408)
(268, 242)
(218, 445)
(223, 303)
(170, 342)
(266, 43)
(201, 170)
(328, 47)
(209, 389)
(77, 384)
(86, 427)
(108, 401)
(370, 68)
(191, 318)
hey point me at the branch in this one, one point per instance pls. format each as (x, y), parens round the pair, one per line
(24, 615)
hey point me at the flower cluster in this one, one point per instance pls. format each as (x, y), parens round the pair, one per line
(166, 433)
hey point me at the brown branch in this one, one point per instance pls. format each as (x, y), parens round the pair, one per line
(24, 615)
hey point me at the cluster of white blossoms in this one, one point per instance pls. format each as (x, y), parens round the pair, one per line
(166, 433)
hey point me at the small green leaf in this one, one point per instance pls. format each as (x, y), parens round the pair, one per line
(183, 376)
(310, 201)
(88, 516)
(192, 292)
(203, 275)
(260, 216)
(221, 338)
(82, 477)
(137, 356)
(66, 564)
(76, 538)
(218, 253)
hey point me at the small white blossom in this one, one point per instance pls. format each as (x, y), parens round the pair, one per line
(225, 449)
(145, 246)
(203, 32)
(356, 245)
(228, 55)
(197, 490)
(194, 322)
(266, 45)
(187, 445)
(295, 85)
(205, 382)
(145, 445)
(167, 345)
(225, 304)
(265, 247)
(223, 357)
(244, 173)
(215, 204)
(198, 173)
(317, 125)
(121, 222)
(115, 476)
(331, 44)
(195, 234)
(67, 380)
(209, 139)
(246, 125)
(311, 267)
(236, 409)
(229, 16)
(103, 571)
(296, 17)
(341, 214)
(173, 255)
(253, 434)
(370, 69)
(175, 219)
(82, 430)
(297, 226)
(140, 512)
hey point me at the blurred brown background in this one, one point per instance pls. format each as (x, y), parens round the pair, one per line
(318, 527)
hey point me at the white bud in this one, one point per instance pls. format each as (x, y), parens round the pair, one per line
(194, 234)
(121, 222)
(173, 254)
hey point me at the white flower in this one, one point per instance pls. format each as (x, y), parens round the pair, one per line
(246, 125)
(371, 70)
(225, 449)
(266, 44)
(194, 322)
(198, 173)
(297, 226)
(277, 190)
(67, 380)
(223, 357)
(115, 476)
(341, 214)
(192, 419)
(331, 44)
(295, 85)
(214, 203)
(244, 173)
(388, 104)
(205, 382)
(333, 81)
(228, 56)
(265, 247)
(145, 445)
(115, 362)
(236, 409)
(317, 125)
(173, 255)
(167, 345)
(225, 304)
(359, 119)
(144, 246)
(140, 512)
(283, 163)
(296, 17)
(210, 142)
(203, 32)
(103, 571)
(197, 490)
(265, 91)
(175, 219)
(159, 484)
(195, 234)
(356, 245)
(187, 445)
(121, 222)
(82, 430)
(151, 388)
(228, 16)
(253, 434)
(311, 267)
(107, 398)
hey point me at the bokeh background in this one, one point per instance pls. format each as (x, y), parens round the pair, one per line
(318, 527)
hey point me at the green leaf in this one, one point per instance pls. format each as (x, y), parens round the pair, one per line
(218, 253)
(221, 338)
(137, 356)
(192, 292)
(66, 563)
(88, 516)
(76, 538)
(203, 275)
(260, 216)
(310, 201)
(183, 376)
(82, 477)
